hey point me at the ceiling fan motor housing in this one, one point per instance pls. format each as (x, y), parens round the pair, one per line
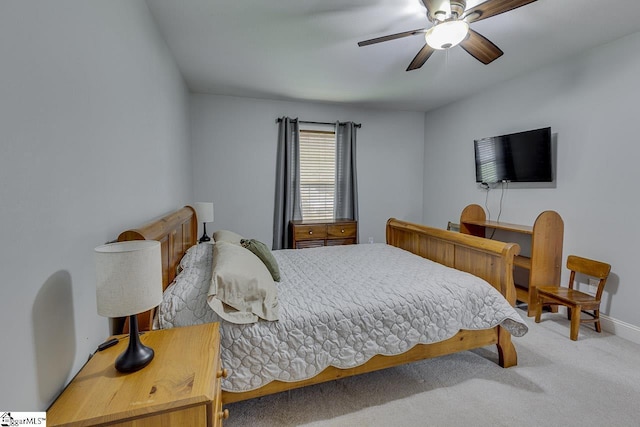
(458, 7)
(447, 10)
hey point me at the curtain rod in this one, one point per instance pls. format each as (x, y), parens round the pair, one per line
(279, 119)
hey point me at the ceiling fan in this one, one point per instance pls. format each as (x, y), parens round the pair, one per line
(451, 28)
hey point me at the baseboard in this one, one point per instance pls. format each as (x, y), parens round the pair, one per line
(616, 327)
(622, 329)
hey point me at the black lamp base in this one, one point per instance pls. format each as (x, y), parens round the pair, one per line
(137, 355)
(204, 237)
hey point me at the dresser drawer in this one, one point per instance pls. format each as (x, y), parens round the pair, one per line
(341, 231)
(219, 414)
(338, 242)
(308, 232)
(302, 244)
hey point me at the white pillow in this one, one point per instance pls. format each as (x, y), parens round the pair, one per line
(242, 289)
(227, 236)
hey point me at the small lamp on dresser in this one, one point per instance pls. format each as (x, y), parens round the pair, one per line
(129, 282)
(204, 212)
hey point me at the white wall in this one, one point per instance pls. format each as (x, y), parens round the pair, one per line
(234, 147)
(93, 110)
(591, 103)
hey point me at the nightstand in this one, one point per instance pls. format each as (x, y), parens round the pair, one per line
(180, 387)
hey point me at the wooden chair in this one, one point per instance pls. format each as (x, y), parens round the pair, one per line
(575, 301)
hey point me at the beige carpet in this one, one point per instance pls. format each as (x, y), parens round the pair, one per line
(592, 382)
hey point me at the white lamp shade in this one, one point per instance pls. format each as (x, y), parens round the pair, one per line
(204, 211)
(129, 277)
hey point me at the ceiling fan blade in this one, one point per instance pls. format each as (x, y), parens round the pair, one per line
(481, 48)
(492, 8)
(391, 37)
(421, 57)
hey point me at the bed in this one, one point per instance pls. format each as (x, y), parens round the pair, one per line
(489, 260)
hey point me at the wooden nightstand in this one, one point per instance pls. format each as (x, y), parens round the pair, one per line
(180, 387)
(311, 234)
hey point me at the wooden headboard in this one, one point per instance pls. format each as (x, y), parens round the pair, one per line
(176, 233)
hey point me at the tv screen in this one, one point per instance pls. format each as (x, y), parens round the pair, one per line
(517, 157)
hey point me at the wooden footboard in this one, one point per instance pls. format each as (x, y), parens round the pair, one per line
(488, 259)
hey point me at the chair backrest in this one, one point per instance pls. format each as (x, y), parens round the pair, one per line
(597, 269)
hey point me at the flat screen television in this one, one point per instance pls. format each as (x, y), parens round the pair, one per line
(517, 157)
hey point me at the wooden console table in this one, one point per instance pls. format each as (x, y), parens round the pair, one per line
(545, 263)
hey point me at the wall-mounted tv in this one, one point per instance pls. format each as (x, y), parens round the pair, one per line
(517, 157)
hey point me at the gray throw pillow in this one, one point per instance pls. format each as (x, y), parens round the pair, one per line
(263, 252)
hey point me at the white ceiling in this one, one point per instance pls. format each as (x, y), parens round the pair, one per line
(307, 49)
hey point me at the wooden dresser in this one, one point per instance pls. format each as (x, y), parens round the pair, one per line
(180, 387)
(312, 234)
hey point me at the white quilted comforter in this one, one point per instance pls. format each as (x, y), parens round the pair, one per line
(339, 306)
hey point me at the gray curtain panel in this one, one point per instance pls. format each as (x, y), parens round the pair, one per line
(346, 203)
(287, 205)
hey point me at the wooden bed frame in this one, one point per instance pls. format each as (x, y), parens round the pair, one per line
(488, 259)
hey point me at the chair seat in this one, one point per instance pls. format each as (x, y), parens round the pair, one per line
(568, 296)
(577, 302)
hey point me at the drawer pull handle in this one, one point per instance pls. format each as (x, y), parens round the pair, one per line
(343, 230)
(223, 415)
(310, 231)
(223, 373)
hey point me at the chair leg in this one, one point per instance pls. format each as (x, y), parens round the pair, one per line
(596, 315)
(569, 313)
(575, 322)
(538, 309)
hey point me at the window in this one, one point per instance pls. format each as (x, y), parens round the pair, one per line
(487, 162)
(317, 174)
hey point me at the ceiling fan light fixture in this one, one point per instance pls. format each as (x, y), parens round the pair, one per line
(447, 34)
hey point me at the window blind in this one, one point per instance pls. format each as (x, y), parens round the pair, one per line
(487, 162)
(317, 174)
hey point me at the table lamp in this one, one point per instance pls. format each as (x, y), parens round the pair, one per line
(129, 281)
(204, 212)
